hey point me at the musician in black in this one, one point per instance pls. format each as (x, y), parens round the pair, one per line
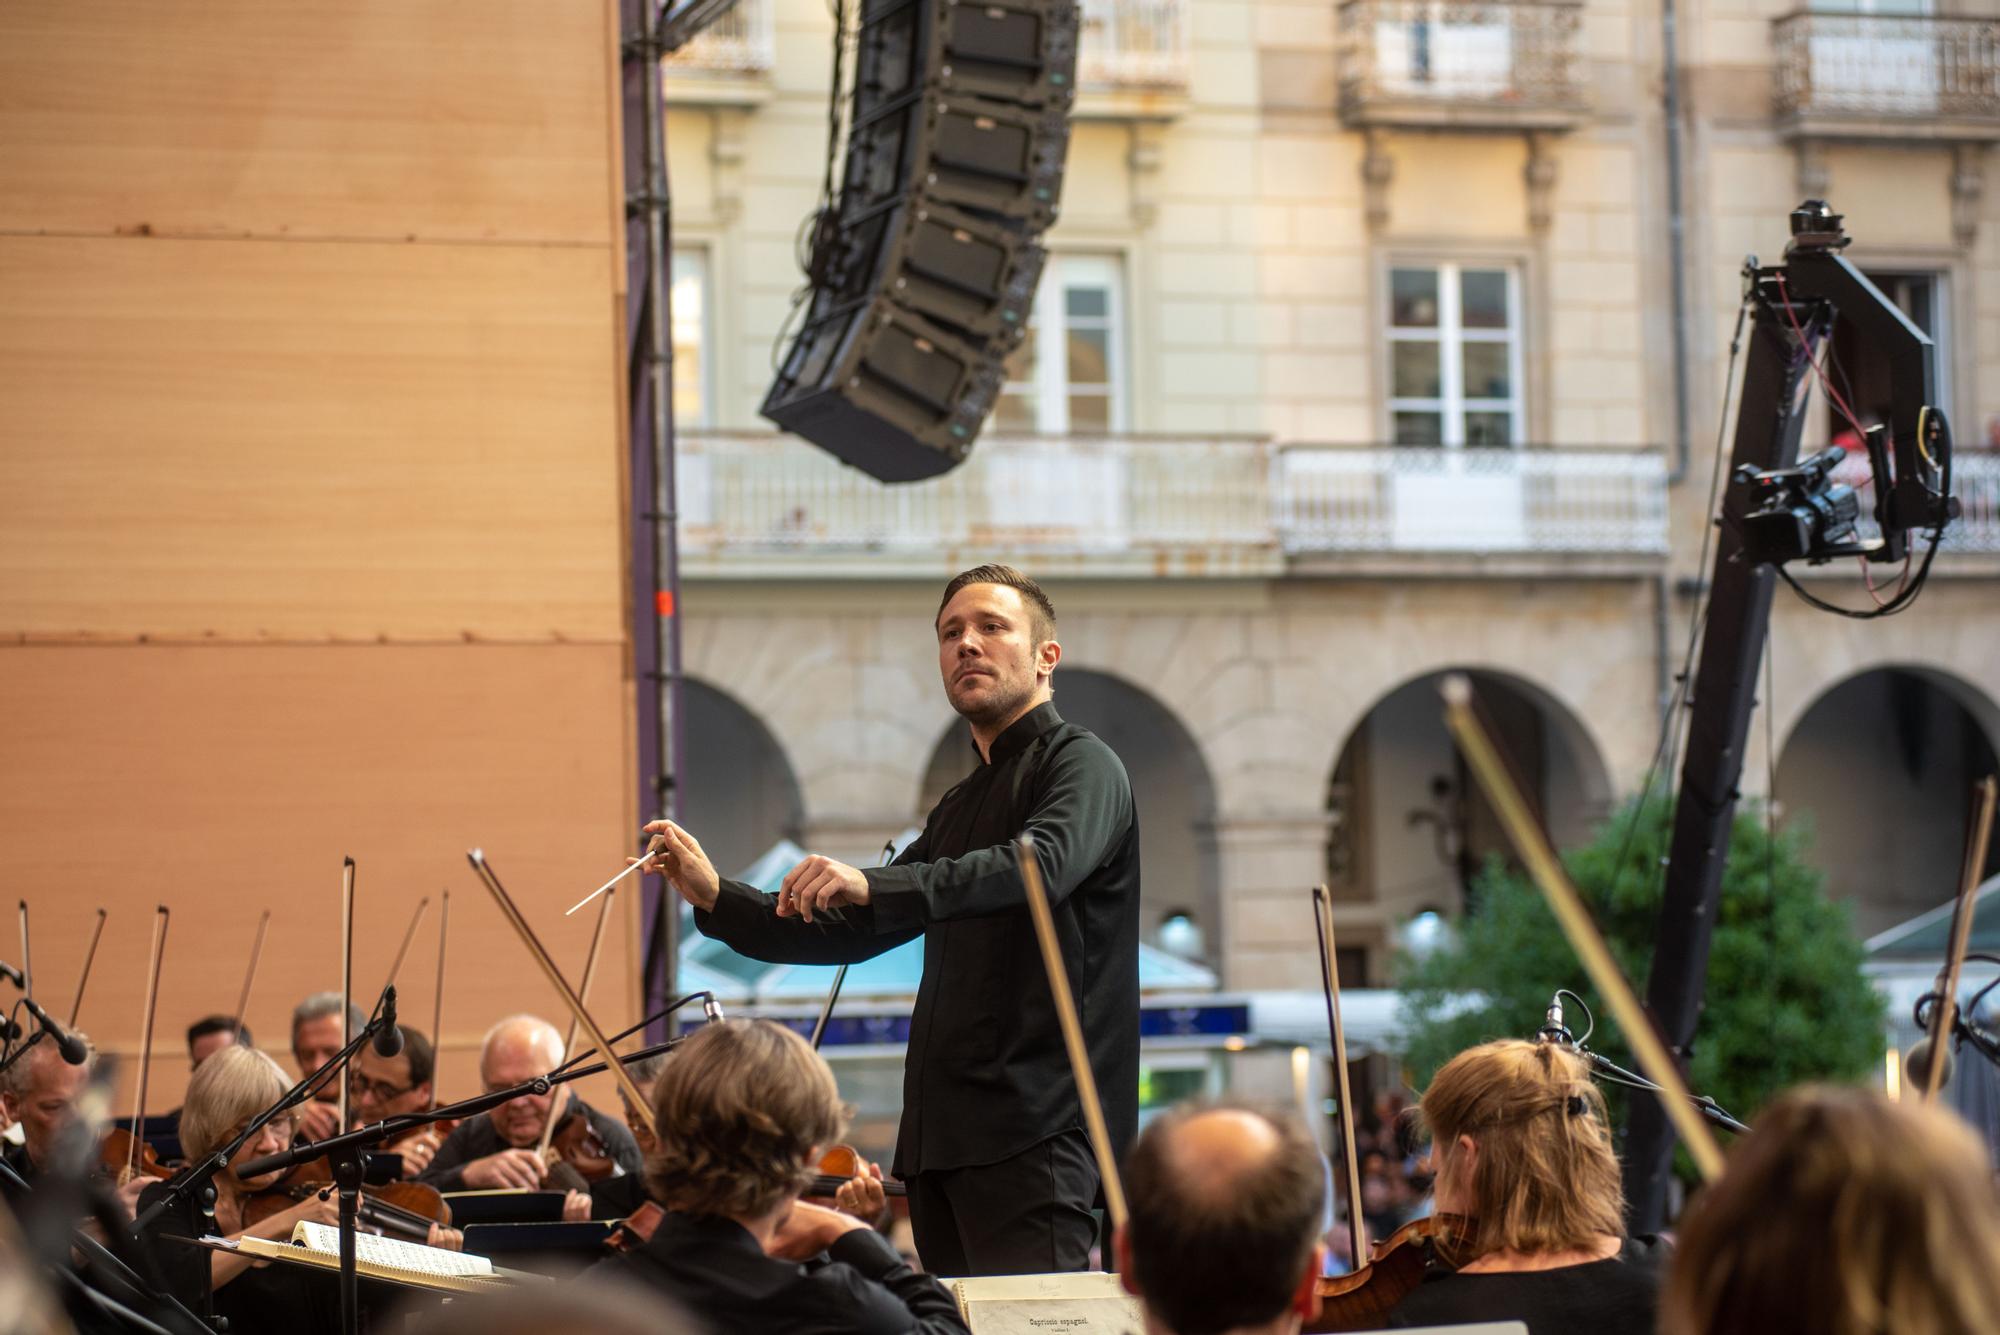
(1000, 1173)
(744, 1111)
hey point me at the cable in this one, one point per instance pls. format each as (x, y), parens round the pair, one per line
(1673, 713)
(1590, 1021)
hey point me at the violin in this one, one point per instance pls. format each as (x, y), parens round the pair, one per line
(396, 1209)
(636, 1229)
(1396, 1265)
(575, 1144)
(841, 1165)
(124, 1157)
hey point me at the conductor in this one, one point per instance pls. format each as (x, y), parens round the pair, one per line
(999, 1170)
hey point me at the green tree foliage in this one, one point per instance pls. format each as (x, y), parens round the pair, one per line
(1785, 1000)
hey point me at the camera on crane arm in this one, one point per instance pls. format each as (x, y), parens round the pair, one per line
(1801, 512)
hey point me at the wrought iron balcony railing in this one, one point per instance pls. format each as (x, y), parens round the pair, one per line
(761, 505)
(1506, 64)
(1888, 76)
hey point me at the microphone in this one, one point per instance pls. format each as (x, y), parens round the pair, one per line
(1917, 1064)
(388, 1039)
(72, 1048)
(711, 1009)
(1552, 1030)
(13, 975)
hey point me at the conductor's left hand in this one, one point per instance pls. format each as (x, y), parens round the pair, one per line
(820, 883)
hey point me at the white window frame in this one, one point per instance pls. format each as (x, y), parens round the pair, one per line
(1452, 404)
(702, 256)
(1049, 382)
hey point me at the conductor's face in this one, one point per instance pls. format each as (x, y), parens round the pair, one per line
(987, 653)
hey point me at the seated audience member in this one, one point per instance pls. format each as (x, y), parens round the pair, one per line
(1842, 1213)
(1226, 1205)
(497, 1150)
(379, 1087)
(226, 1093)
(212, 1033)
(744, 1110)
(316, 1036)
(1523, 1152)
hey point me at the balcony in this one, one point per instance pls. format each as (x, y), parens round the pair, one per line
(1435, 64)
(762, 506)
(729, 61)
(1132, 58)
(1883, 76)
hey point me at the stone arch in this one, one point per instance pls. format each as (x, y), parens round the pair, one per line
(1171, 783)
(739, 790)
(1880, 763)
(1406, 824)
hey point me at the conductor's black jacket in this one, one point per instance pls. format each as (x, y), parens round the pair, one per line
(986, 1075)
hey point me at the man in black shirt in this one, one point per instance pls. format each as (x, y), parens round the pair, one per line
(1000, 1173)
(496, 1150)
(744, 1111)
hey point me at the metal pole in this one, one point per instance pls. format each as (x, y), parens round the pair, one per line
(655, 529)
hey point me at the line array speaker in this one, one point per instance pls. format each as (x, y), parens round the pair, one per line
(924, 272)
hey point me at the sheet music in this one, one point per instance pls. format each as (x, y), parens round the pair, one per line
(393, 1253)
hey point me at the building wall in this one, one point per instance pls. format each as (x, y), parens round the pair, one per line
(311, 498)
(1255, 229)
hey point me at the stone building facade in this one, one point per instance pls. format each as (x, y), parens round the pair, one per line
(1355, 363)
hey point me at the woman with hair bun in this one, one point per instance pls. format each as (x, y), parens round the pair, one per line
(1523, 1155)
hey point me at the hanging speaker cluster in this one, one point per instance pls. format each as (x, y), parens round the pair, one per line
(924, 273)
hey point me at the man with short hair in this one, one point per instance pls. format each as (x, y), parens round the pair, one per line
(212, 1033)
(498, 1149)
(1226, 1205)
(379, 1087)
(1000, 1170)
(316, 1036)
(39, 1092)
(744, 1112)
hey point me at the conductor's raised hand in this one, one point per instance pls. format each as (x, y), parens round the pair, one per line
(677, 855)
(820, 883)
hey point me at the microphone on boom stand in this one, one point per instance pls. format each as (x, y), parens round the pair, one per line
(1552, 1030)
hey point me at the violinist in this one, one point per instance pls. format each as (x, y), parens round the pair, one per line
(379, 1087)
(39, 1091)
(1523, 1155)
(212, 1033)
(744, 1111)
(1226, 1208)
(226, 1093)
(1842, 1213)
(1000, 1172)
(498, 1150)
(621, 1196)
(316, 1036)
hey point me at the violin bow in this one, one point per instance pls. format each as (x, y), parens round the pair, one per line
(409, 935)
(82, 978)
(840, 974)
(1524, 831)
(548, 965)
(1330, 982)
(1945, 1020)
(250, 975)
(582, 995)
(1072, 1032)
(346, 972)
(146, 1042)
(437, 1005)
(27, 959)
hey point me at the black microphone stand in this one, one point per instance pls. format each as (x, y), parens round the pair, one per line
(1706, 1106)
(347, 1150)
